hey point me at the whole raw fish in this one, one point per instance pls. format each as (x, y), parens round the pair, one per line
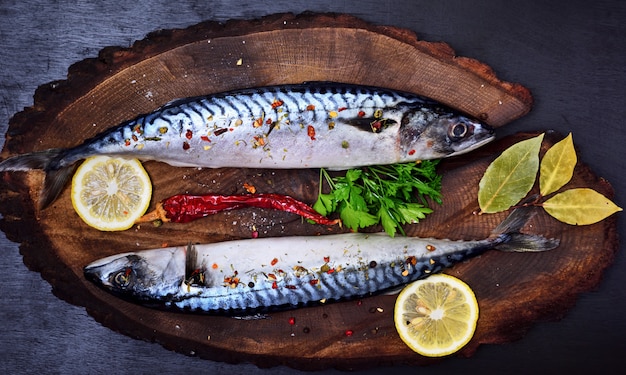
(330, 125)
(243, 276)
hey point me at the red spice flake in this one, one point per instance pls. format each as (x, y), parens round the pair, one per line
(411, 152)
(274, 261)
(376, 126)
(310, 107)
(127, 142)
(314, 282)
(249, 188)
(411, 260)
(189, 134)
(186, 146)
(137, 128)
(134, 137)
(330, 271)
(268, 121)
(342, 109)
(310, 131)
(430, 248)
(277, 103)
(274, 285)
(326, 259)
(258, 122)
(214, 266)
(205, 138)
(255, 234)
(361, 114)
(260, 141)
(271, 276)
(233, 281)
(349, 332)
(292, 320)
(292, 287)
(164, 244)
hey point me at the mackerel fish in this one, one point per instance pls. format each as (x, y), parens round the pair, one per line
(244, 277)
(311, 125)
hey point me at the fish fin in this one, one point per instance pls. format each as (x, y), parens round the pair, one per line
(515, 221)
(370, 124)
(521, 242)
(48, 161)
(191, 260)
(256, 316)
(191, 257)
(33, 160)
(53, 184)
(394, 291)
(194, 272)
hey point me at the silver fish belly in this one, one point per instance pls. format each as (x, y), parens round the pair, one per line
(244, 276)
(330, 125)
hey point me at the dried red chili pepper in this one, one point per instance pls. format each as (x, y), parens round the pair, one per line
(184, 208)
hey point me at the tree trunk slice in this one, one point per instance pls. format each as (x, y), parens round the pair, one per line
(514, 290)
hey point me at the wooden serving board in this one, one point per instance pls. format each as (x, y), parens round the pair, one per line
(514, 290)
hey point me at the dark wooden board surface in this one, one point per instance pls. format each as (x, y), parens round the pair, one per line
(174, 338)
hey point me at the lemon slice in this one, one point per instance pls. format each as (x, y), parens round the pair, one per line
(109, 194)
(436, 316)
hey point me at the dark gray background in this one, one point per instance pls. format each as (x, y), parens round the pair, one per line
(570, 55)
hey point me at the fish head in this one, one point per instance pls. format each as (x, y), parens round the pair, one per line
(436, 136)
(143, 276)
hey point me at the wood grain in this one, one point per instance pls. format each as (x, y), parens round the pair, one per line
(514, 290)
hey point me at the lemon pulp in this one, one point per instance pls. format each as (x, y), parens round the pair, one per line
(436, 316)
(110, 194)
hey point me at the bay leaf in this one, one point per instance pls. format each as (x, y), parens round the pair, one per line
(557, 166)
(510, 176)
(582, 206)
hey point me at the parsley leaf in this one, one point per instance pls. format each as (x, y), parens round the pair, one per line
(390, 195)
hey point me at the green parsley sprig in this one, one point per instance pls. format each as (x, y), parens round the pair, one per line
(392, 195)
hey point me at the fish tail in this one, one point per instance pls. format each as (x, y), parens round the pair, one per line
(48, 161)
(512, 240)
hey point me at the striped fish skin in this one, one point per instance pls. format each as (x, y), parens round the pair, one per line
(245, 276)
(330, 125)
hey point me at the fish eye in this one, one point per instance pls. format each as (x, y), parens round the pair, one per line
(458, 131)
(123, 277)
